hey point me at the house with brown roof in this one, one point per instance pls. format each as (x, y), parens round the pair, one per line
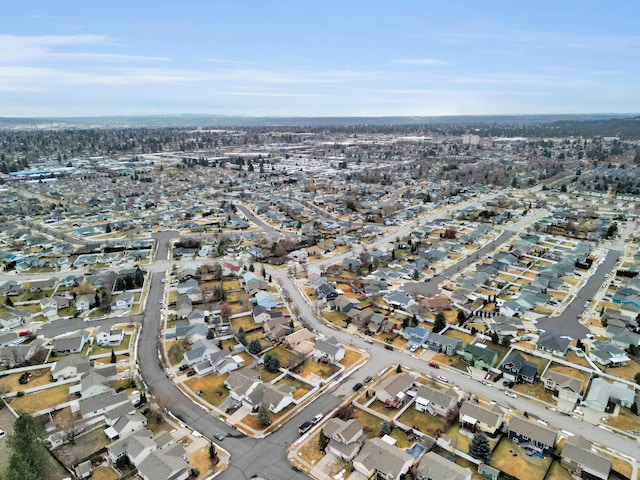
(565, 387)
(478, 418)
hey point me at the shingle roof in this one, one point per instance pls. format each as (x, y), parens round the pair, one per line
(533, 430)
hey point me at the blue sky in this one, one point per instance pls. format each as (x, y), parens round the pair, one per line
(319, 58)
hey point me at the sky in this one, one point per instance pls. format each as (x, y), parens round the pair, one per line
(319, 58)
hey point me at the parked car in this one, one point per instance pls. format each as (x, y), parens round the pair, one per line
(368, 340)
(433, 363)
(305, 427)
(317, 418)
(219, 436)
(368, 378)
(510, 394)
(443, 379)
(357, 386)
(191, 373)
(182, 368)
(388, 347)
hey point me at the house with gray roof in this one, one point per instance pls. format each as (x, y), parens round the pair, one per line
(532, 434)
(345, 437)
(516, 368)
(70, 366)
(435, 402)
(328, 351)
(582, 460)
(551, 343)
(126, 425)
(68, 345)
(607, 354)
(160, 465)
(101, 403)
(440, 343)
(434, 467)
(621, 337)
(394, 388)
(136, 447)
(379, 458)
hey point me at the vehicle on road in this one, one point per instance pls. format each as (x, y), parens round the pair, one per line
(368, 379)
(443, 379)
(305, 427)
(219, 436)
(317, 418)
(511, 394)
(160, 302)
(368, 340)
(295, 468)
(433, 363)
(357, 387)
(388, 347)
(508, 383)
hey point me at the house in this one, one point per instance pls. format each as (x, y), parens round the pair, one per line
(11, 288)
(532, 434)
(621, 337)
(415, 336)
(124, 301)
(83, 470)
(136, 447)
(183, 306)
(327, 292)
(440, 343)
(393, 390)
(185, 286)
(126, 425)
(65, 346)
(275, 398)
(159, 465)
(583, 461)
(607, 354)
(276, 328)
(42, 285)
(92, 383)
(435, 467)
(200, 351)
(380, 324)
(328, 351)
(517, 369)
(299, 336)
(435, 402)
(480, 356)
(400, 299)
(100, 404)
(266, 300)
(345, 437)
(379, 458)
(13, 318)
(603, 396)
(70, 366)
(551, 343)
(565, 387)
(478, 418)
(240, 383)
(343, 304)
(106, 337)
(84, 302)
(261, 314)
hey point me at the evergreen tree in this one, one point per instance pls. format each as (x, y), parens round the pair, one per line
(323, 441)
(440, 323)
(255, 347)
(29, 457)
(479, 447)
(113, 356)
(9, 302)
(213, 454)
(385, 428)
(399, 369)
(264, 417)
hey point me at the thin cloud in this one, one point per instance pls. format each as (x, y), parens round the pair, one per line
(420, 61)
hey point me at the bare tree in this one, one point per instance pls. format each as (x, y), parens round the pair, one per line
(67, 421)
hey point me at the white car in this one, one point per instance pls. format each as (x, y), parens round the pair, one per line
(317, 418)
(511, 394)
(443, 379)
(2, 433)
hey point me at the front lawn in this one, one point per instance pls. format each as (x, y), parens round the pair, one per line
(520, 465)
(350, 357)
(211, 386)
(337, 318)
(536, 390)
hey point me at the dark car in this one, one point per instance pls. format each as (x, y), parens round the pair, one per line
(388, 347)
(368, 379)
(357, 386)
(191, 373)
(305, 427)
(182, 368)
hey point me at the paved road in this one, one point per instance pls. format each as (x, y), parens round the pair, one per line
(67, 325)
(268, 229)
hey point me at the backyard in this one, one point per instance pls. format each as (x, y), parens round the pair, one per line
(514, 461)
(301, 388)
(34, 402)
(422, 422)
(10, 383)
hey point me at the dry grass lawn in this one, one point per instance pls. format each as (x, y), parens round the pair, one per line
(423, 422)
(104, 473)
(379, 407)
(34, 402)
(301, 388)
(287, 357)
(537, 391)
(231, 285)
(310, 368)
(573, 358)
(571, 372)
(211, 386)
(200, 460)
(350, 357)
(310, 451)
(370, 423)
(557, 472)
(464, 337)
(625, 420)
(520, 466)
(245, 322)
(622, 467)
(626, 372)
